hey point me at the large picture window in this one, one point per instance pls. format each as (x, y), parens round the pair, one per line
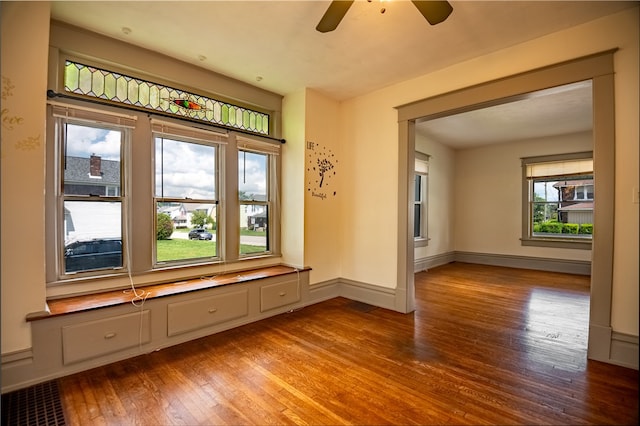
(559, 200)
(149, 180)
(202, 197)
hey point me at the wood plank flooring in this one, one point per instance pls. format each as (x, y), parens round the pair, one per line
(486, 345)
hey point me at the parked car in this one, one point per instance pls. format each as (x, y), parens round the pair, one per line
(98, 253)
(200, 234)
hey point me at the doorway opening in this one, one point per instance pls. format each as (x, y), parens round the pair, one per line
(595, 68)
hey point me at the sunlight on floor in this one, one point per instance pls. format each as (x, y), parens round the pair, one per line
(557, 328)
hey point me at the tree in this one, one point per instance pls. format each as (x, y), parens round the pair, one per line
(242, 195)
(200, 218)
(164, 226)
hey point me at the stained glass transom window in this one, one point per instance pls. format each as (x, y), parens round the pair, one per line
(115, 87)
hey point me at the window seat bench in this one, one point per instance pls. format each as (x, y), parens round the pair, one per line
(81, 332)
(74, 304)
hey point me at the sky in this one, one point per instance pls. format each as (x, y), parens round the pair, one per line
(82, 141)
(551, 193)
(183, 169)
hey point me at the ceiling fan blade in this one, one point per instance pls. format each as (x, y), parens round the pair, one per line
(433, 11)
(334, 14)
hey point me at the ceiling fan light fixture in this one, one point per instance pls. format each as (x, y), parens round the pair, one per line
(434, 11)
(334, 14)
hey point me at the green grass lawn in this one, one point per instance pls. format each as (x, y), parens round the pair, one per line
(179, 249)
(245, 231)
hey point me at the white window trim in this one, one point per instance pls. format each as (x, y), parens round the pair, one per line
(272, 150)
(169, 130)
(73, 114)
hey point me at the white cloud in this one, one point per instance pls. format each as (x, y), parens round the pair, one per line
(83, 141)
(252, 173)
(185, 169)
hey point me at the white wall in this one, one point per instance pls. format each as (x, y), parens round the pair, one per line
(369, 181)
(370, 149)
(440, 198)
(322, 220)
(293, 128)
(24, 86)
(488, 210)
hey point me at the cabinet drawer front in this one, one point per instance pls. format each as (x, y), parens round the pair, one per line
(280, 294)
(193, 314)
(104, 336)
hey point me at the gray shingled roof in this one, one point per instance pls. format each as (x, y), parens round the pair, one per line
(77, 171)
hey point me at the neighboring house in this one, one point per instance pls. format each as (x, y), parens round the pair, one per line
(83, 221)
(577, 213)
(177, 213)
(575, 201)
(209, 209)
(257, 222)
(254, 215)
(181, 213)
(93, 175)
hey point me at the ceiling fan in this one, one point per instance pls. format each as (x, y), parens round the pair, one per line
(434, 11)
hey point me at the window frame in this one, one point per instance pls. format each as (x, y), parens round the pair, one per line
(527, 238)
(62, 115)
(273, 152)
(421, 169)
(163, 129)
(138, 194)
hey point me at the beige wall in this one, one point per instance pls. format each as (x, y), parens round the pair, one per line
(322, 219)
(293, 131)
(24, 87)
(626, 274)
(369, 182)
(371, 151)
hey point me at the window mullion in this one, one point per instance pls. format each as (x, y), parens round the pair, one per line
(232, 203)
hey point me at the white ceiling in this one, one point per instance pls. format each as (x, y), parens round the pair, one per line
(274, 44)
(557, 111)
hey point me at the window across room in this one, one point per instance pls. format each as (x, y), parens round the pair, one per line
(559, 198)
(420, 189)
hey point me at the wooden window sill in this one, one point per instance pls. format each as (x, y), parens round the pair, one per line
(73, 304)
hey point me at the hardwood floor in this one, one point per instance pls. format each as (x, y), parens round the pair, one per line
(486, 345)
